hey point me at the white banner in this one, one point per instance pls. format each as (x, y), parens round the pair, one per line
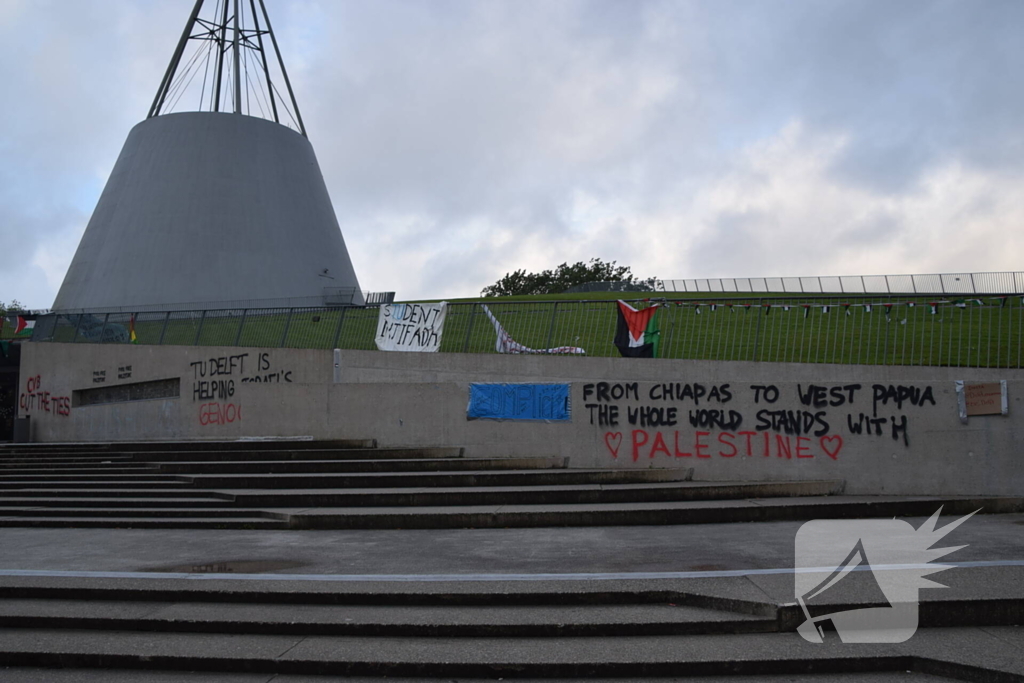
(411, 327)
(506, 344)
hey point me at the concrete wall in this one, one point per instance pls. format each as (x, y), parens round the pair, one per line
(882, 429)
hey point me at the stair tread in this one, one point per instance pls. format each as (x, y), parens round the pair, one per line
(756, 653)
(256, 612)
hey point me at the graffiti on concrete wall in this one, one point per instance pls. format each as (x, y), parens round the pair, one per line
(694, 420)
(215, 380)
(36, 400)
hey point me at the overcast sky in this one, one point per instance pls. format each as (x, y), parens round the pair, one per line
(464, 139)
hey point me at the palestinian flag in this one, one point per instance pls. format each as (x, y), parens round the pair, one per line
(637, 334)
(20, 328)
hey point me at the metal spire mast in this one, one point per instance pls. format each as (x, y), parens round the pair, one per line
(231, 35)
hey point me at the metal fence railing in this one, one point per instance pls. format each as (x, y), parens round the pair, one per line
(975, 332)
(944, 283)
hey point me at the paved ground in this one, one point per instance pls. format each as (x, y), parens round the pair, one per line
(684, 548)
(79, 676)
(542, 559)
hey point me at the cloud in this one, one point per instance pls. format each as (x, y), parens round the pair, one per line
(463, 140)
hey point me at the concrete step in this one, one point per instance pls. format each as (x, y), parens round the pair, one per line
(450, 497)
(639, 513)
(376, 620)
(296, 454)
(454, 478)
(351, 465)
(195, 522)
(158, 482)
(127, 477)
(111, 502)
(141, 511)
(205, 445)
(549, 515)
(95, 469)
(113, 491)
(939, 651)
(63, 460)
(177, 587)
(534, 495)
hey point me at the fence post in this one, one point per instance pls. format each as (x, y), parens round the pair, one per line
(78, 324)
(974, 290)
(287, 325)
(103, 330)
(163, 330)
(469, 328)
(885, 343)
(241, 326)
(337, 331)
(757, 330)
(199, 330)
(551, 327)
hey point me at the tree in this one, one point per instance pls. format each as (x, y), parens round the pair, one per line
(564, 277)
(12, 308)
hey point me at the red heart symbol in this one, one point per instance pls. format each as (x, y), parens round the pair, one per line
(613, 440)
(832, 445)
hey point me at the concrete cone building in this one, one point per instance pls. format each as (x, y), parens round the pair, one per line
(214, 206)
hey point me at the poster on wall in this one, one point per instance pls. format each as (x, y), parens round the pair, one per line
(538, 402)
(411, 327)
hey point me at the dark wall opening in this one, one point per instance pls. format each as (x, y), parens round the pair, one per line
(10, 363)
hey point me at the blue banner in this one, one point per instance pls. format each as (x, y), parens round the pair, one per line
(519, 402)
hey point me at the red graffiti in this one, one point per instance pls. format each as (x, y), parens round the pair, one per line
(219, 413)
(34, 398)
(725, 445)
(613, 440)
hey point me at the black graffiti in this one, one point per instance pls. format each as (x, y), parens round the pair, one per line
(819, 396)
(206, 390)
(899, 394)
(271, 377)
(607, 416)
(263, 364)
(770, 392)
(898, 427)
(409, 334)
(865, 424)
(606, 391)
(652, 416)
(223, 365)
(716, 419)
(793, 422)
(677, 391)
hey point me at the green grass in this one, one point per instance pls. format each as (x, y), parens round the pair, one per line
(988, 336)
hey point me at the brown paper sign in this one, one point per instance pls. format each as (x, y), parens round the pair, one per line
(983, 398)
